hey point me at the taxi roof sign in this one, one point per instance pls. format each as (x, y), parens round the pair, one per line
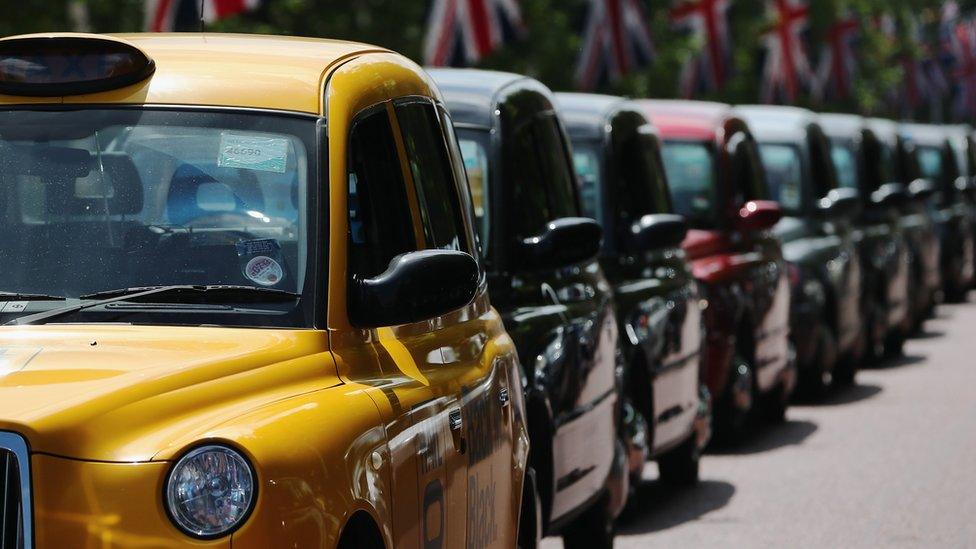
(69, 64)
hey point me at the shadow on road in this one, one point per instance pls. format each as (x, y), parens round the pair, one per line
(846, 395)
(928, 333)
(769, 437)
(658, 506)
(900, 362)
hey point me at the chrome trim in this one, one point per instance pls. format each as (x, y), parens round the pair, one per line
(16, 444)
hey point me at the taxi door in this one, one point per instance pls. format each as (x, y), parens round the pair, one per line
(381, 214)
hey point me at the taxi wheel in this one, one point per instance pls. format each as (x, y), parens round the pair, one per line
(594, 529)
(894, 344)
(530, 516)
(736, 411)
(680, 466)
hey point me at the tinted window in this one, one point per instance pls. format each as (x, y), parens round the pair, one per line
(642, 187)
(586, 160)
(749, 176)
(475, 151)
(541, 174)
(784, 173)
(846, 164)
(433, 176)
(380, 224)
(691, 174)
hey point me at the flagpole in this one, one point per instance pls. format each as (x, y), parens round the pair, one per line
(201, 16)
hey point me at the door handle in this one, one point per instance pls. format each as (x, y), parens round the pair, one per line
(456, 423)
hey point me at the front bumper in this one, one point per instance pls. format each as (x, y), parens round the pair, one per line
(92, 504)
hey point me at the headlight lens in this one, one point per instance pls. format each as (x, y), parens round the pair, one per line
(210, 491)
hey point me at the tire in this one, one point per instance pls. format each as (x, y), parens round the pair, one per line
(894, 344)
(594, 529)
(845, 372)
(818, 380)
(680, 466)
(737, 406)
(530, 514)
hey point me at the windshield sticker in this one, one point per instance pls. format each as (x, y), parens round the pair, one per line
(266, 154)
(264, 271)
(14, 307)
(263, 246)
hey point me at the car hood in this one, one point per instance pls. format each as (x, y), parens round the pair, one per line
(125, 393)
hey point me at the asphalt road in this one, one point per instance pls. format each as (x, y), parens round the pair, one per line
(890, 462)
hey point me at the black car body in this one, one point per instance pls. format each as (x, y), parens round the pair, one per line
(917, 219)
(818, 242)
(930, 158)
(963, 142)
(617, 154)
(863, 165)
(546, 281)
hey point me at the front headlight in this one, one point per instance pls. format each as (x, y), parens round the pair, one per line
(210, 491)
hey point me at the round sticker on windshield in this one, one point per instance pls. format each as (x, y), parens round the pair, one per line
(264, 271)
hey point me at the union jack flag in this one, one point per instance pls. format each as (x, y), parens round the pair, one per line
(708, 20)
(787, 68)
(182, 15)
(925, 77)
(838, 62)
(963, 48)
(461, 32)
(616, 41)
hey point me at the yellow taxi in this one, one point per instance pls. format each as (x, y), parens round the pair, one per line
(241, 304)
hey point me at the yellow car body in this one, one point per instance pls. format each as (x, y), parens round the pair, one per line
(341, 424)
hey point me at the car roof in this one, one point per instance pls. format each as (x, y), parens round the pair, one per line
(686, 119)
(586, 114)
(777, 123)
(843, 126)
(227, 70)
(471, 94)
(931, 135)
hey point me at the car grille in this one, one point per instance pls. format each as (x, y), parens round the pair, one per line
(14, 493)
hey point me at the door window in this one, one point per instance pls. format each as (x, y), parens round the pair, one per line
(586, 160)
(433, 175)
(380, 224)
(641, 186)
(542, 176)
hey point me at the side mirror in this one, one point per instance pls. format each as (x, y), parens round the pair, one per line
(654, 232)
(839, 203)
(890, 195)
(566, 241)
(416, 286)
(922, 189)
(758, 215)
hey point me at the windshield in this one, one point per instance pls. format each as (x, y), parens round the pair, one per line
(930, 163)
(784, 174)
(846, 164)
(586, 160)
(95, 200)
(691, 173)
(475, 146)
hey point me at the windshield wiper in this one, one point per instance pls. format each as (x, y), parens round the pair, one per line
(174, 294)
(17, 296)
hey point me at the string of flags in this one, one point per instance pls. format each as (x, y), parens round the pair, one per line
(937, 57)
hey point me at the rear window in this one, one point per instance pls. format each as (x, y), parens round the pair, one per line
(690, 168)
(784, 174)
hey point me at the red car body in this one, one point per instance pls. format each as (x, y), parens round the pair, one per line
(734, 255)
